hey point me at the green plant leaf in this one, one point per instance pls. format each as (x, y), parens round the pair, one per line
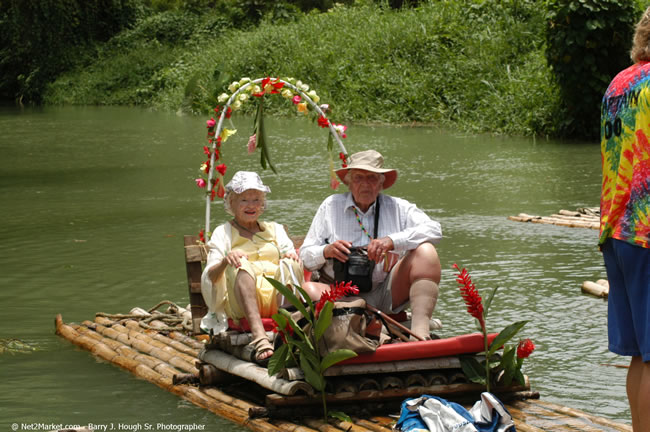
(504, 336)
(509, 365)
(488, 302)
(307, 350)
(315, 379)
(261, 137)
(520, 377)
(340, 415)
(289, 295)
(323, 321)
(336, 357)
(474, 370)
(278, 360)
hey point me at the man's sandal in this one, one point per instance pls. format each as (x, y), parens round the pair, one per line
(260, 346)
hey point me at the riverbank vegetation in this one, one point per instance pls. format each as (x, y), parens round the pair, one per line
(471, 65)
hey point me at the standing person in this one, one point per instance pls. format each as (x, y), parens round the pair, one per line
(404, 233)
(242, 252)
(625, 219)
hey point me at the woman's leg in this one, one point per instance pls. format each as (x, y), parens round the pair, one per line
(246, 293)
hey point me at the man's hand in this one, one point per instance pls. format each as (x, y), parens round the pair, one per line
(378, 247)
(339, 250)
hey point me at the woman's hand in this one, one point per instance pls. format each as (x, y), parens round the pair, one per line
(292, 255)
(234, 258)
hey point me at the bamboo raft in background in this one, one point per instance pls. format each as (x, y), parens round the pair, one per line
(600, 288)
(167, 358)
(581, 218)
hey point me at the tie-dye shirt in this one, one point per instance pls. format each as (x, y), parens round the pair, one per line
(625, 151)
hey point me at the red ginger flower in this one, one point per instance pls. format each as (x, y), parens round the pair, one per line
(202, 236)
(525, 348)
(471, 296)
(336, 291)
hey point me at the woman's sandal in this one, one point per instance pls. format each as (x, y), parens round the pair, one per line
(260, 346)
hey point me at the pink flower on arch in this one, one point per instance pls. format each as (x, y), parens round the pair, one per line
(200, 182)
(211, 123)
(296, 99)
(252, 143)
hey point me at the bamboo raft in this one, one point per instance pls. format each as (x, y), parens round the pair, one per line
(600, 288)
(581, 218)
(170, 360)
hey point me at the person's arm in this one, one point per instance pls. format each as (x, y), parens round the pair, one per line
(417, 228)
(287, 249)
(219, 246)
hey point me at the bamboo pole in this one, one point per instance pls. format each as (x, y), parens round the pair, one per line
(527, 422)
(391, 393)
(287, 426)
(125, 351)
(178, 346)
(569, 422)
(347, 426)
(371, 425)
(380, 368)
(252, 372)
(146, 344)
(384, 421)
(581, 414)
(321, 426)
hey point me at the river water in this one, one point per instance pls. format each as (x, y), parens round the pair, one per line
(95, 203)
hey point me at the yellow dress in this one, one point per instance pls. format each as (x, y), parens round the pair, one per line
(264, 259)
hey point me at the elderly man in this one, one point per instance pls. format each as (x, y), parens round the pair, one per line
(402, 241)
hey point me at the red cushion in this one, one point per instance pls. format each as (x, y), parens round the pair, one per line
(243, 326)
(463, 344)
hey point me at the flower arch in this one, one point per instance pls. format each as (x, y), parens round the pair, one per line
(306, 102)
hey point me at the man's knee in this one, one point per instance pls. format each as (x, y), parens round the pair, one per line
(425, 263)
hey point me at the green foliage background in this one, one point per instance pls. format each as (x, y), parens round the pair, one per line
(471, 65)
(588, 44)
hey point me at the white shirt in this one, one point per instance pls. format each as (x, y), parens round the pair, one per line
(405, 224)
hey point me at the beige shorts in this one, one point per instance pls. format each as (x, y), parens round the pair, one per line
(381, 297)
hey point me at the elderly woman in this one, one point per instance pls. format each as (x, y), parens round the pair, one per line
(242, 252)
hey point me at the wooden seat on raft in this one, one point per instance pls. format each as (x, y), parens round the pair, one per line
(196, 255)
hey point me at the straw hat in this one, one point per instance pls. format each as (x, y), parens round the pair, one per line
(369, 160)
